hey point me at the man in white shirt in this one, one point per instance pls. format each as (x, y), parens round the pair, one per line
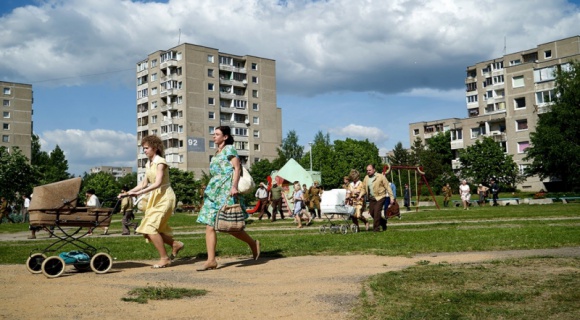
(262, 195)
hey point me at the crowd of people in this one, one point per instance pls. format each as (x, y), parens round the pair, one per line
(155, 197)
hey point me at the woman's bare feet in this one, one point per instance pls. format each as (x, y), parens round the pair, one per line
(177, 246)
(163, 263)
(208, 266)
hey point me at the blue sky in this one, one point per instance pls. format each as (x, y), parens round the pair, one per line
(352, 68)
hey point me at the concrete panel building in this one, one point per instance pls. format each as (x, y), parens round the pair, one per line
(504, 98)
(117, 172)
(185, 92)
(17, 117)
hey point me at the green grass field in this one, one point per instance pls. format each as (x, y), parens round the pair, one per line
(530, 288)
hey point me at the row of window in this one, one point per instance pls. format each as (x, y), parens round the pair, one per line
(7, 90)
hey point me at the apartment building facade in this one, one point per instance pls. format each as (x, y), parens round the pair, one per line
(17, 117)
(185, 92)
(505, 97)
(117, 172)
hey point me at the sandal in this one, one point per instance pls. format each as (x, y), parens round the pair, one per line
(160, 266)
(181, 245)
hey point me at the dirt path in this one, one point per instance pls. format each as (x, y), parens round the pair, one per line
(310, 287)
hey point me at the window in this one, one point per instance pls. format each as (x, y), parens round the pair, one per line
(547, 54)
(518, 81)
(5, 138)
(241, 145)
(522, 146)
(142, 80)
(498, 79)
(153, 105)
(456, 134)
(179, 100)
(154, 91)
(210, 58)
(6, 103)
(240, 104)
(212, 145)
(140, 66)
(472, 99)
(153, 119)
(210, 73)
(256, 107)
(6, 126)
(256, 159)
(210, 87)
(256, 133)
(498, 65)
(415, 132)
(520, 103)
(499, 93)
(154, 77)
(521, 124)
(544, 97)
(211, 130)
(495, 107)
(545, 74)
(515, 62)
(472, 86)
(6, 114)
(473, 112)
(211, 101)
(476, 132)
(255, 93)
(153, 63)
(226, 60)
(169, 55)
(256, 120)
(256, 147)
(211, 115)
(142, 93)
(254, 66)
(254, 79)
(241, 132)
(522, 168)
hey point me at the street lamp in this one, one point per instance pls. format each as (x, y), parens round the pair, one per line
(310, 144)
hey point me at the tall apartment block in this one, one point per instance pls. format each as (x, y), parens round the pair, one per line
(185, 92)
(17, 117)
(505, 97)
(117, 172)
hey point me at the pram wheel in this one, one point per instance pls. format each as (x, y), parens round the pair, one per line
(322, 229)
(101, 262)
(53, 267)
(34, 263)
(354, 228)
(344, 229)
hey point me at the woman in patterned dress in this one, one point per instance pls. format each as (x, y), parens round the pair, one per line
(160, 203)
(224, 169)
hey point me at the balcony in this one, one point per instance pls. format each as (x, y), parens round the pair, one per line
(227, 95)
(498, 136)
(169, 77)
(168, 92)
(228, 67)
(544, 108)
(457, 144)
(243, 152)
(142, 128)
(167, 121)
(168, 63)
(173, 150)
(171, 106)
(169, 135)
(455, 164)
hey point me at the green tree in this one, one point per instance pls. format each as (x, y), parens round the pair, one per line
(129, 180)
(57, 166)
(105, 185)
(290, 148)
(555, 145)
(16, 174)
(441, 145)
(486, 159)
(185, 186)
(400, 156)
(261, 170)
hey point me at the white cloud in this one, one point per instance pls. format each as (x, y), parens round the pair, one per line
(319, 46)
(87, 149)
(359, 132)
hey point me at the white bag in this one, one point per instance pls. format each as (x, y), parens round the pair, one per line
(246, 183)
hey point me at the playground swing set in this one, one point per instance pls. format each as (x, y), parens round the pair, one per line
(418, 182)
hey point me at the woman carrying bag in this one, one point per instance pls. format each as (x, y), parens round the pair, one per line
(222, 189)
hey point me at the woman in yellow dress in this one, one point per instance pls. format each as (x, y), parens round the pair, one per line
(355, 188)
(160, 204)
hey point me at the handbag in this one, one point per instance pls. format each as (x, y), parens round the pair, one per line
(230, 218)
(246, 183)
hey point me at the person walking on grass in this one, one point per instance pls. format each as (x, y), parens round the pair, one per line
(465, 193)
(378, 188)
(225, 168)
(154, 226)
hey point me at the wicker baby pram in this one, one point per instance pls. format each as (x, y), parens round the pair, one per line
(53, 207)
